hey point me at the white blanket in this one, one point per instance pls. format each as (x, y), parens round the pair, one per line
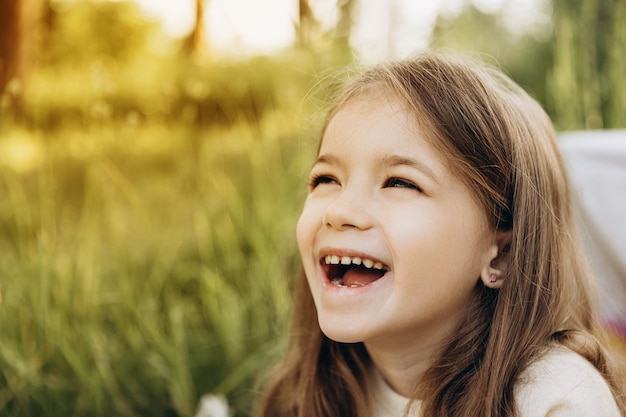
(597, 166)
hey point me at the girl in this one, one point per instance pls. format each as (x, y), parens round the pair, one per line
(442, 275)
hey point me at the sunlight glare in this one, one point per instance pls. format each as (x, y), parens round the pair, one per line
(236, 27)
(381, 30)
(177, 17)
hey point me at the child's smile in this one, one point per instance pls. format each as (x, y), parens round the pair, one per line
(442, 270)
(352, 271)
(392, 242)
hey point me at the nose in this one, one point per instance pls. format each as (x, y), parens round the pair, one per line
(348, 211)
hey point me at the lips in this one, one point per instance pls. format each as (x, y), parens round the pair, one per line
(346, 271)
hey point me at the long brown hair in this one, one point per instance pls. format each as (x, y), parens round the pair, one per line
(502, 144)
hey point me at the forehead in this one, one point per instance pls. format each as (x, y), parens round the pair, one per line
(381, 121)
(369, 113)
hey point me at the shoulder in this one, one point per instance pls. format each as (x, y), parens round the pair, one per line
(563, 383)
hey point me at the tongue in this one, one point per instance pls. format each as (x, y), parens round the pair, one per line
(361, 277)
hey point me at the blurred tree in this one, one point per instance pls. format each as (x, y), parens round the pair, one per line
(307, 27)
(471, 30)
(88, 53)
(525, 58)
(18, 33)
(10, 40)
(588, 81)
(196, 44)
(343, 29)
(82, 31)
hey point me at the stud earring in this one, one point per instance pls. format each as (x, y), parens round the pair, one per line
(493, 278)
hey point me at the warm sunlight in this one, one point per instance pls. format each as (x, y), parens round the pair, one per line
(233, 27)
(155, 160)
(382, 29)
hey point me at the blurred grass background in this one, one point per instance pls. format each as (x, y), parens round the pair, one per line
(148, 194)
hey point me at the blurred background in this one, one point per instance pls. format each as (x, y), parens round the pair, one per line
(154, 157)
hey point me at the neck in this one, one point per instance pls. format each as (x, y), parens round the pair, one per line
(402, 370)
(403, 361)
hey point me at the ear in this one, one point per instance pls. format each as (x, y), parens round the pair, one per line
(493, 273)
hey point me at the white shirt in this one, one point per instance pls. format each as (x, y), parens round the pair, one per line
(559, 384)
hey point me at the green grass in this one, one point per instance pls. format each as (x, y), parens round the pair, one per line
(146, 261)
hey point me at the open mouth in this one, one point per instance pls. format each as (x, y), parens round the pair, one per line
(352, 271)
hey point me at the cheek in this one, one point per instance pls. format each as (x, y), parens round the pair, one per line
(305, 229)
(438, 244)
(305, 235)
(301, 233)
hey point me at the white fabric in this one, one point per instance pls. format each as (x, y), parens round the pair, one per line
(559, 384)
(596, 161)
(387, 402)
(564, 384)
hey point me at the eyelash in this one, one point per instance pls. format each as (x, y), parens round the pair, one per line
(321, 179)
(393, 182)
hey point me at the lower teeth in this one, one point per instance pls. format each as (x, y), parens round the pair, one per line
(338, 282)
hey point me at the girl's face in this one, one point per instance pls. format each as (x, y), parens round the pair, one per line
(392, 242)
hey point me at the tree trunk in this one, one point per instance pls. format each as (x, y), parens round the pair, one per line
(307, 25)
(10, 41)
(196, 43)
(18, 35)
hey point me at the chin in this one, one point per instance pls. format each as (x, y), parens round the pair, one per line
(340, 334)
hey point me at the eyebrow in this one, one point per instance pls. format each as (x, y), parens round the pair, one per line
(398, 160)
(388, 160)
(327, 159)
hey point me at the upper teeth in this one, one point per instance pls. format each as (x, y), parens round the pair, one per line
(356, 260)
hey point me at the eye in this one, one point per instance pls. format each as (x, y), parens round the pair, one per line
(317, 180)
(395, 182)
